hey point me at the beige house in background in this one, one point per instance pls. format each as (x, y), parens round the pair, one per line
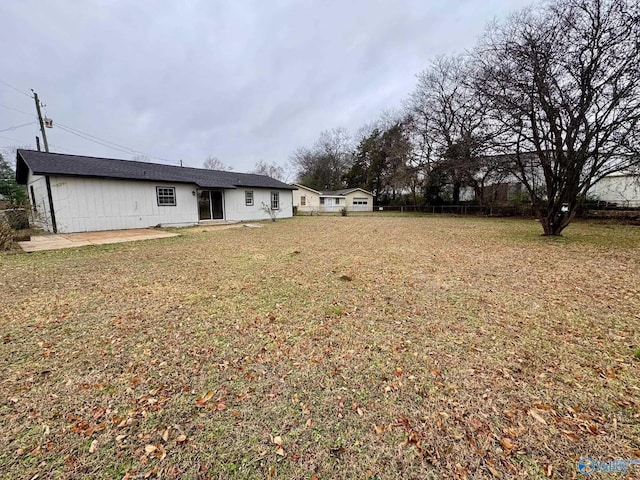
(353, 199)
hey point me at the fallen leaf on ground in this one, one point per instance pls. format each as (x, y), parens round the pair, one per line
(200, 402)
(507, 445)
(537, 417)
(494, 472)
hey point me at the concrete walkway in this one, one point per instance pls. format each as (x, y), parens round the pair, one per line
(71, 240)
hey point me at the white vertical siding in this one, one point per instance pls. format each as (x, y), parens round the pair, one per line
(623, 190)
(40, 214)
(86, 204)
(236, 210)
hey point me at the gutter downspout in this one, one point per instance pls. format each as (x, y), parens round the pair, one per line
(53, 213)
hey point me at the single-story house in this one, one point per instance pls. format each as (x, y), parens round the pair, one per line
(353, 199)
(71, 193)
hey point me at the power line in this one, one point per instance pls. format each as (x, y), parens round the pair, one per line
(15, 88)
(109, 144)
(128, 151)
(100, 141)
(131, 150)
(16, 127)
(57, 147)
(16, 110)
(11, 139)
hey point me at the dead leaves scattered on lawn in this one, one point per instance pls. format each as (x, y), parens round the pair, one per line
(277, 441)
(201, 401)
(220, 404)
(339, 330)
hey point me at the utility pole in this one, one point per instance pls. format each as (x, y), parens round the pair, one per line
(44, 134)
(38, 142)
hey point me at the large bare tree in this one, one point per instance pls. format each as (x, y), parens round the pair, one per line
(323, 166)
(214, 163)
(448, 122)
(562, 83)
(272, 170)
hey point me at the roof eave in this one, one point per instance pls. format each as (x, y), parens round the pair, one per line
(306, 188)
(271, 187)
(109, 177)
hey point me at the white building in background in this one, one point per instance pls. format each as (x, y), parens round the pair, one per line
(621, 189)
(353, 199)
(71, 193)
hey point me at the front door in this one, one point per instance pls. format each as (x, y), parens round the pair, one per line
(210, 205)
(216, 205)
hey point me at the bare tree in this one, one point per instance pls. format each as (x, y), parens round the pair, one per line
(562, 84)
(272, 170)
(214, 163)
(324, 164)
(139, 157)
(448, 122)
(9, 152)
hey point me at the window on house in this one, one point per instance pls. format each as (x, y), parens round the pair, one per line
(275, 200)
(248, 198)
(360, 201)
(166, 196)
(321, 200)
(337, 201)
(303, 200)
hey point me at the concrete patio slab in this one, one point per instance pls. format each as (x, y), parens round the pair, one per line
(72, 240)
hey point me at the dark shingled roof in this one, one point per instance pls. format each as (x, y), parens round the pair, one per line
(334, 193)
(343, 192)
(58, 164)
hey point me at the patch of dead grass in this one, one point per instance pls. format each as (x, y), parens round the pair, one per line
(357, 347)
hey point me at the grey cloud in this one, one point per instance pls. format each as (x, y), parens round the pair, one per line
(243, 80)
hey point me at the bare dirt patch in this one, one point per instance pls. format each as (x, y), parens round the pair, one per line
(334, 347)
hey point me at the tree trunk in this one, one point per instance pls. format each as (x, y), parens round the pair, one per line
(456, 192)
(554, 220)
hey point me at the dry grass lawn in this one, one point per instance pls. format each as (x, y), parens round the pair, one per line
(355, 347)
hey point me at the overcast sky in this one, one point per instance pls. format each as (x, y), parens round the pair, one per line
(240, 80)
